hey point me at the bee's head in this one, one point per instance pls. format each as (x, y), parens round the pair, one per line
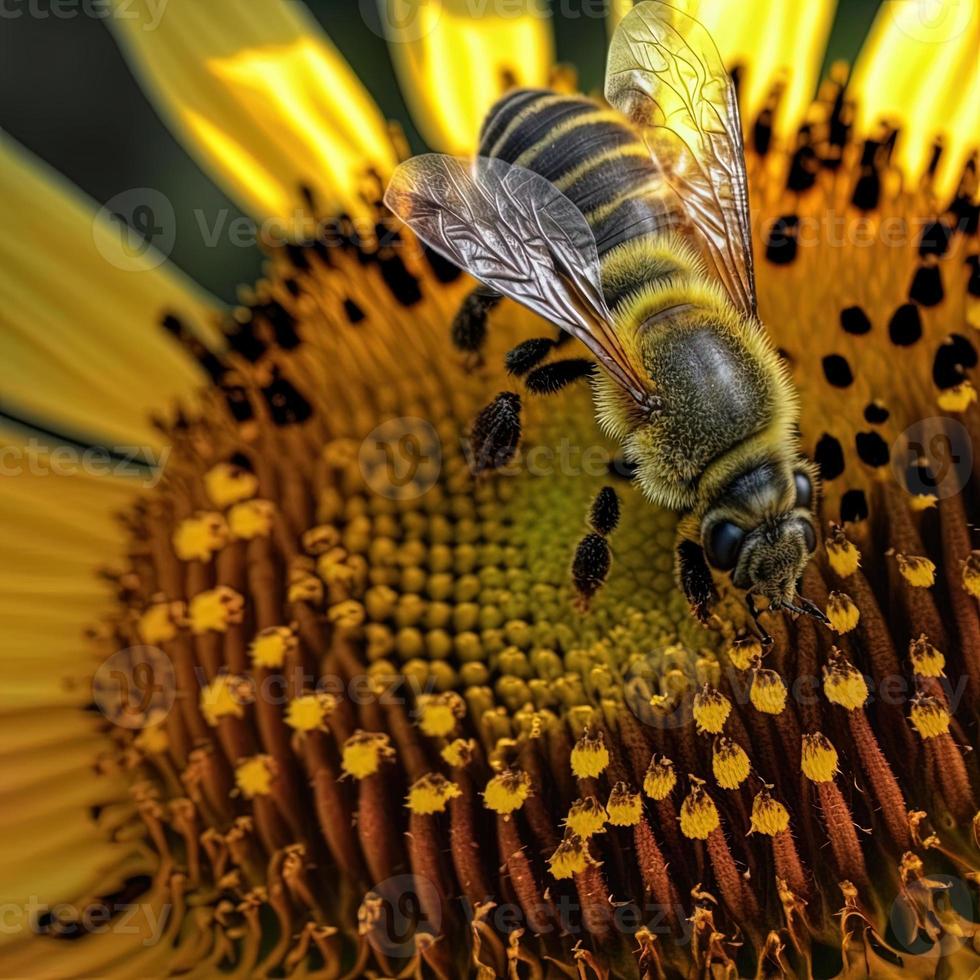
(766, 550)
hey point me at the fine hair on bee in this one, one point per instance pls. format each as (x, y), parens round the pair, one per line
(634, 238)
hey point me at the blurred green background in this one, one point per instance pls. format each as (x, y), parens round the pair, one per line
(67, 94)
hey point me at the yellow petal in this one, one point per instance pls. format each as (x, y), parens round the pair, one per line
(454, 60)
(919, 70)
(768, 40)
(263, 100)
(82, 344)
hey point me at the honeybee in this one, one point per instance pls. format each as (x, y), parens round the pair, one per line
(627, 226)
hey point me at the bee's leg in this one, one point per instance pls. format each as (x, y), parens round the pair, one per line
(695, 579)
(557, 375)
(755, 612)
(593, 558)
(469, 329)
(496, 433)
(528, 354)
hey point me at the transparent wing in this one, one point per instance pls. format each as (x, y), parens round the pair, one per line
(665, 74)
(514, 231)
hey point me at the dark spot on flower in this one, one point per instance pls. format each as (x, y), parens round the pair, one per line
(829, 456)
(297, 256)
(905, 326)
(243, 340)
(286, 405)
(954, 357)
(292, 287)
(782, 240)
(241, 461)
(354, 313)
(934, 239)
(872, 449)
(445, 271)
(854, 320)
(927, 286)
(837, 371)
(875, 413)
(403, 285)
(867, 191)
(762, 133)
(238, 403)
(282, 323)
(973, 285)
(853, 506)
(967, 213)
(803, 167)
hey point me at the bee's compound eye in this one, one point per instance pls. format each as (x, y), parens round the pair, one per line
(810, 536)
(723, 544)
(804, 490)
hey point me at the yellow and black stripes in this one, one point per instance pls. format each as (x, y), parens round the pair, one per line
(589, 152)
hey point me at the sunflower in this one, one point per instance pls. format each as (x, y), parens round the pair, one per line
(289, 689)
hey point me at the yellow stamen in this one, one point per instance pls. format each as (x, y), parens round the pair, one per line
(216, 609)
(440, 713)
(624, 807)
(660, 778)
(843, 683)
(916, 570)
(224, 697)
(364, 752)
(227, 484)
(819, 758)
(270, 647)
(590, 755)
(251, 519)
(930, 717)
(842, 612)
(309, 712)
(254, 776)
(197, 538)
(927, 661)
(768, 692)
(769, 816)
(730, 763)
(711, 709)
(699, 815)
(844, 557)
(507, 791)
(431, 793)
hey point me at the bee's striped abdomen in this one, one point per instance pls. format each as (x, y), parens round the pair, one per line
(588, 151)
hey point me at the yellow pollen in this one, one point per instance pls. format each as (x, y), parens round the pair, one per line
(971, 574)
(227, 484)
(347, 615)
(916, 570)
(590, 755)
(842, 612)
(254, 776)
(571, 857)
(507, 791)
(624, 807)
(304, 587)
(920, 502)
(226, 696)
(269, 648)
(711, 709)
(458, 752)
(660, 779)
(431, 794)
(364, 752)
(843, 683)
(440, 713)
(153, 740)
(586, 817)
(251, 519)
(197, 538)
(768, 692)
(769, 816)
(927, 661)
(161, 622)
(216, 609)
(745, 652)
(958, 398)
(309, 712)
(730, 763)
(819, 758)
(930, 717)
(844, 557)
(699, 815)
